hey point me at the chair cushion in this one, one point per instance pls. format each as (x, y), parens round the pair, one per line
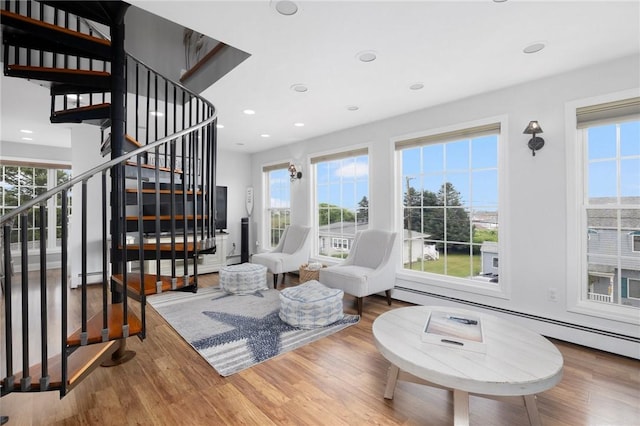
(272, 260)
(352, 279)
(311, 305)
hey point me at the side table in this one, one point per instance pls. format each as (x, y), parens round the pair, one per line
(308, 274)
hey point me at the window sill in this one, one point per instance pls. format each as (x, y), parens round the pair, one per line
(453, 284)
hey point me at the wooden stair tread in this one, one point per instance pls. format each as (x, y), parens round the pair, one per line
(161, 191)
(81, 109)
(180, 247)
(51, 28)
(80, 363)
(51, 70)
(166, 217)
(115, 321)
(152, 167)
(150, 281)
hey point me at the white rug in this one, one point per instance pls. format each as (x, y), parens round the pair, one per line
(236, 332)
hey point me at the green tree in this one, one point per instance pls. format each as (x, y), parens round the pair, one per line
(457, 218)
(330, 213)
(362, 213)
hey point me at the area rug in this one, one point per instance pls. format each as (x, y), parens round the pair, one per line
(235, 332)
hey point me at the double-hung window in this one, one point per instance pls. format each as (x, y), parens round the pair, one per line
(450, 205)
(341, 199)
(277, 202)
(21, 183)
(609, 138)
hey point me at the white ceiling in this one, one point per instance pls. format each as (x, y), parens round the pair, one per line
(456, 49)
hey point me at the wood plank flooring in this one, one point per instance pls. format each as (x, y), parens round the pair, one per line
(338, 380)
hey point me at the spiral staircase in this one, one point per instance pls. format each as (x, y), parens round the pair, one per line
(156, 200)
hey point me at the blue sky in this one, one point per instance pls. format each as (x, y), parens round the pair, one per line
(471, 165)
(602, 154)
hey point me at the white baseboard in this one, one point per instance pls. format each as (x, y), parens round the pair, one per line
(592, 338)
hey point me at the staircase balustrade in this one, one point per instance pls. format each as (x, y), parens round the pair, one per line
(163, 185)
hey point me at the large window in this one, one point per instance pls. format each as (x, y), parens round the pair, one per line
(610, 207)
(450, 203)
(278, 201)
(19, 184)
(342, 200)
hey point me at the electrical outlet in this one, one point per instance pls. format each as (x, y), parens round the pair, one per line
(552, 295)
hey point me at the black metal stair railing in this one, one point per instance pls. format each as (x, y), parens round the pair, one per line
(173, 161)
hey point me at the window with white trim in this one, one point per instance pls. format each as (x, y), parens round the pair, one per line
(449, 187)
(635, 242)
(277, 202)
(341, 199)
(21, 183)
(609, 135)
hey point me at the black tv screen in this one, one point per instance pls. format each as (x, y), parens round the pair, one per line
(221, 207)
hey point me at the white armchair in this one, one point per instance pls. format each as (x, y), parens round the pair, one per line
(367, 269)
(292, 251)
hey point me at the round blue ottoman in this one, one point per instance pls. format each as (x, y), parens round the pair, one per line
(311, 305)
(245, 278)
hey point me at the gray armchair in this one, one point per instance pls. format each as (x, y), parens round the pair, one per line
(367, 269)
(292, 251)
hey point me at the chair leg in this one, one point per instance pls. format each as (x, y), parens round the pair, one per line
(388, 293)
(360, 301)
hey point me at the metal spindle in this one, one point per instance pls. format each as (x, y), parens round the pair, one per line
(25, 381)
(105, 266)
(84, 247)
(6, 241)
(44, 376)
(63, 289)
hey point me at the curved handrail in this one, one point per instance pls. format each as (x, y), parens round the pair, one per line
(89, 173)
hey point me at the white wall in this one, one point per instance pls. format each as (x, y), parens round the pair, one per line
(85, 154)
(535, 220)
(234, 172)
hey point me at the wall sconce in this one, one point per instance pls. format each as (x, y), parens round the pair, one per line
(294, 172)
(535, 143)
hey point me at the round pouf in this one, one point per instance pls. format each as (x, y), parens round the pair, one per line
(311, 305)
(245, 278)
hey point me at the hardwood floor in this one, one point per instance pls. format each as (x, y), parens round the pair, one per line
(338, 380)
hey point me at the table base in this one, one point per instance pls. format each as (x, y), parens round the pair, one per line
(460, 398)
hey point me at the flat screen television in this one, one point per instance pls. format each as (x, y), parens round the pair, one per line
(221, 208)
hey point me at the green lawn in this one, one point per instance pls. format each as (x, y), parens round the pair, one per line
(457, 265)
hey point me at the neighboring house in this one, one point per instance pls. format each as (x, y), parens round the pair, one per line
(489, 256)
(336, 238)
(602, 249)
(415, 247)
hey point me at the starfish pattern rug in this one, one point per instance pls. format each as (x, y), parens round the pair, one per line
(234, 332)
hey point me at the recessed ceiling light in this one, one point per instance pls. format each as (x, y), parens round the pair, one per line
(301, 88)
(26, 131)
(157, 113)
(534, 47)
(239, 143)
(286, 7)
(264, 135)
(249, 111)
(27, 139)
(353, 107)
(220, 126)
(416, 86)
(298, 124)
(367, 56)
(499, 1)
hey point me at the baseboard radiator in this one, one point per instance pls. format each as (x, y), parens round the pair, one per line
(609, 341)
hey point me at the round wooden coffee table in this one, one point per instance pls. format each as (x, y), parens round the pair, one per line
(516, 362)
